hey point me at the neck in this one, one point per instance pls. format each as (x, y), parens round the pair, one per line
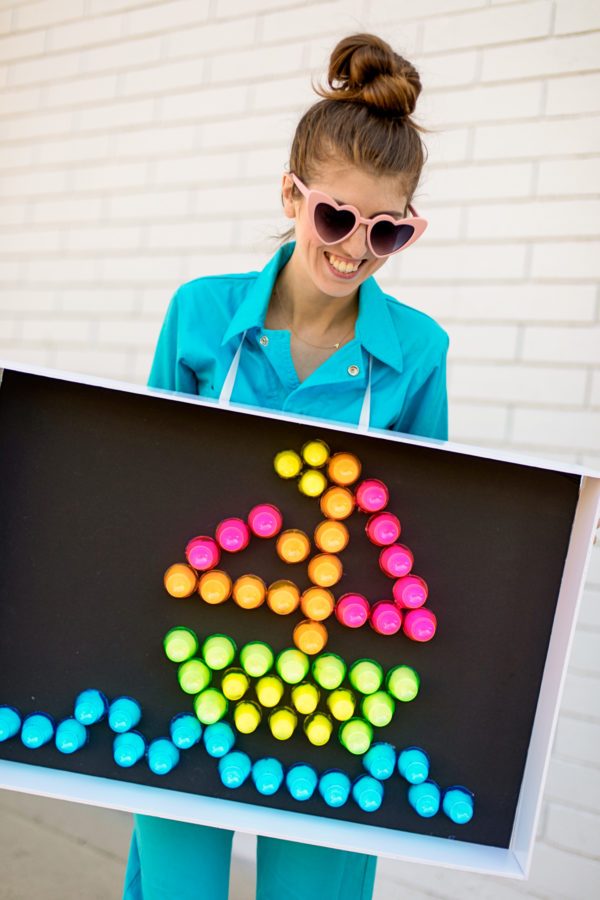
(309, 310)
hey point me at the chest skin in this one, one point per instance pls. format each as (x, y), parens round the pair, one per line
(306, 359)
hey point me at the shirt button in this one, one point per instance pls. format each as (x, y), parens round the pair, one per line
(353, 370)
(264, 340)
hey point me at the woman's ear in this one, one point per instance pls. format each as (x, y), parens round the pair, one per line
(287, 189)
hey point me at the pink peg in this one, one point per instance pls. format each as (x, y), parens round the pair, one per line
(419, 624)
(232, 535)
(396, 560)
(385, 617)
(371, 495)
(410, 591)
(265, 520)
(202, 553)
(352, 610)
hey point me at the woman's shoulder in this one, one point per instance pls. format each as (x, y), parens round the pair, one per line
(416, 331)
(222, 288)
(403, 314)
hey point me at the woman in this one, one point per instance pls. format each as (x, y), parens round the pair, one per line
(312, 334)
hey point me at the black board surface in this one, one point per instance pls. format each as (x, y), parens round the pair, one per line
(100, 490)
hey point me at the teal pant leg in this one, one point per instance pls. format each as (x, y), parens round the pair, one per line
(291, 871)
(175, 859)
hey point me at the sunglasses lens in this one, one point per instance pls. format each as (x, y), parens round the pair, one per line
(333, 224)
(387, 237)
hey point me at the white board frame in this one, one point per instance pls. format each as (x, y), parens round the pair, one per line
(514, 861)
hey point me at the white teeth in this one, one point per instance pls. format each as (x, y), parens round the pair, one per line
(342, 265)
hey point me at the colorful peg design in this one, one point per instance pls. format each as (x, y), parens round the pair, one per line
(333, 480)
(208, 731)
(254, 684)
(302, 690)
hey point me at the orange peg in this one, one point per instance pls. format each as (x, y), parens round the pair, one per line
(331, 536)
(337, 502)
(325, 569)
(283, 597)
(310, 637)
(180, 580)
(214, 586)
(249, 591)
(293, 545)
(343, 468)
(317, 603)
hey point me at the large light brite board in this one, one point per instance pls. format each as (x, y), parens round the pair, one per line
(102, 487)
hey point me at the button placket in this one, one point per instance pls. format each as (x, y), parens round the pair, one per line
(275, 349)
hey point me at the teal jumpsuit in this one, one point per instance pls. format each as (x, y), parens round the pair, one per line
(398, 355)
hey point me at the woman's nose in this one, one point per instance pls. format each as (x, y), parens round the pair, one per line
(355, 246)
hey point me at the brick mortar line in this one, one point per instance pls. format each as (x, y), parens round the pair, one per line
(463, 361)
(44, 316)
(264, 218)
(527, 449)
(165, 186)
(531, 39)
(99, 73)
(252, 113)
(570, 716)
(157, 4)
(159, 35)
(571, 851)
(430, 167)
(508, 161)
(265, 45)
(510, 365)
(576, 808)
(553, 16)
(288, 73)
(467, 86)
(522, 79)
(523, 407)
(185, 250)
(117, 102)
(483, 85)
(247, 182)
(550, 800)
(257, 144)
(526, 323)
(573, 669)
(583, 765)
(400, 285)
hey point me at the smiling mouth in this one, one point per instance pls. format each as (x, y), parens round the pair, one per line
(343, 266)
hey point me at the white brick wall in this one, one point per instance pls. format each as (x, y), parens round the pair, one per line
(142, 144)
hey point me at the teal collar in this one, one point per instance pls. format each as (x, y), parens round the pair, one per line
(252, 310)
(375, 329)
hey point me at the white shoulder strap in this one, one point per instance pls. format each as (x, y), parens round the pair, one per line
(365, 412)
(226, 390)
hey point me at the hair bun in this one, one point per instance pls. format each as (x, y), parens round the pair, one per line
(364, 69)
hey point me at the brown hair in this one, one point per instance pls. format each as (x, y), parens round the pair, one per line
(365, 114)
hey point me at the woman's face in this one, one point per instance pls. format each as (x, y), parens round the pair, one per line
(337, 270)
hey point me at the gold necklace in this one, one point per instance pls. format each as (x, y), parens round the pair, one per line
(335, 346)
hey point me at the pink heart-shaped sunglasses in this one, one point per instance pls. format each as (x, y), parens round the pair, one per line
(333, 223)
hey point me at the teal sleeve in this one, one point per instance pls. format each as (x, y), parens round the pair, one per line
(169, 369)
(427, 412)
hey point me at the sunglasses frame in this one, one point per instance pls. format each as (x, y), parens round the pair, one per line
(314, 198)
